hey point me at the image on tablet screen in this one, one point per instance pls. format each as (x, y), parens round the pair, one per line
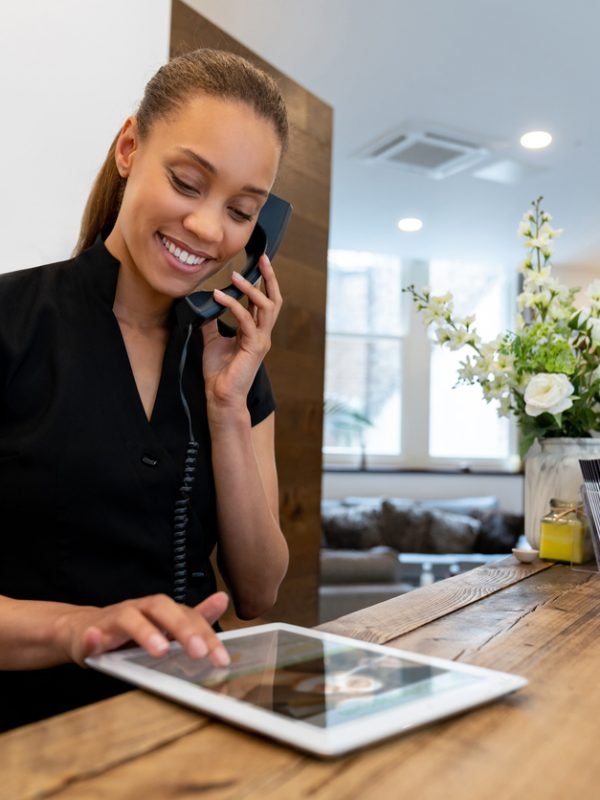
(323, 683)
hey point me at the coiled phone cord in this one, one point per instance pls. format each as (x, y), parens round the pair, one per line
(181, 512)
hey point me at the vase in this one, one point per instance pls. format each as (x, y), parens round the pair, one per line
(552, 470)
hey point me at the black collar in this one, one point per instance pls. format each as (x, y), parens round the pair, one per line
(99, 271)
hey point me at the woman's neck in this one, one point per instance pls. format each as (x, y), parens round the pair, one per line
(137, 306)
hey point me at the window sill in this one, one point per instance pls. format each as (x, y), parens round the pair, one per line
(356, 470)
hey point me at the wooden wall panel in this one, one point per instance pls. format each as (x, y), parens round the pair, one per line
(296, 361)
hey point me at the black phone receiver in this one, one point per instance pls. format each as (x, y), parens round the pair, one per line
(201, 307)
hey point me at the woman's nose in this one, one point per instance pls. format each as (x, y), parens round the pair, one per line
(206, 223)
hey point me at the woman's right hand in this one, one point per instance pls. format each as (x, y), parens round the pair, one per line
(149, 622)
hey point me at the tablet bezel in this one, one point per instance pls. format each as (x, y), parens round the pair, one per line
(327, 742)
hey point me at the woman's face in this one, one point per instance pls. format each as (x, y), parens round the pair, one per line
(195, 185)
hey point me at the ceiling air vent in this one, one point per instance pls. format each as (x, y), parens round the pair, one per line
(435, 155)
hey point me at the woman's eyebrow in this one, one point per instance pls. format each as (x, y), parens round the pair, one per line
(213, 170)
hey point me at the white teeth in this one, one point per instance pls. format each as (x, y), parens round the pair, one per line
(181, 255)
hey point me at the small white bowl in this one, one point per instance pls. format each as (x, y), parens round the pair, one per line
(525, 554)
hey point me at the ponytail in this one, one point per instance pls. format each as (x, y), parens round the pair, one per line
(104, 202)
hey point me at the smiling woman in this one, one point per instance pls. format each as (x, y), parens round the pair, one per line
(94, 471)
(193, 187)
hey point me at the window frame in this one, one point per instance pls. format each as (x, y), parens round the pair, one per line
(415, 354)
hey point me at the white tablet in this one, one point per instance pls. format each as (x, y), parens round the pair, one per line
(320, 692)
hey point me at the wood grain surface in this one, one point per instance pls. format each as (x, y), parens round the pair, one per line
(538, 743)
(386, 621)
(296, 361)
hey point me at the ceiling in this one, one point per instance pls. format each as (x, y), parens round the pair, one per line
(483, 70)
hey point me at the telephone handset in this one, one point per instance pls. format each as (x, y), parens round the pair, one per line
(201, 307)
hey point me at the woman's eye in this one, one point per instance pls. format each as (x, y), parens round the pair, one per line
(241, 216)
(181, 186)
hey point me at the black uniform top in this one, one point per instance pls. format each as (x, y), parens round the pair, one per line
(87, 483)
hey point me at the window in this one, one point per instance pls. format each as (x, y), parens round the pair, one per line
(366, 326)
(391, 395)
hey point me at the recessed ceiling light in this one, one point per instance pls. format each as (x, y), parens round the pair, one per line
(410, 224)
(535, 140)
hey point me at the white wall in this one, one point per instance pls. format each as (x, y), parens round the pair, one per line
(426, 486)
(71, 72)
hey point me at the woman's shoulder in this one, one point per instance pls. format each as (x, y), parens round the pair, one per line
(33, 276)
(23, 285)
(26, 294)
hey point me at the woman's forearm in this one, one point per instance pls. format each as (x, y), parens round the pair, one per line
(28, 634)
(252, 550)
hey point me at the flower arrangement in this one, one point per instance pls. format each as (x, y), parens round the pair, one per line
(546, 373)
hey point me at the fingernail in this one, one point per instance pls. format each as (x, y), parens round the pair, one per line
(218, 293)
(197, 647)
(158, 644)
(221, 656)
(237, 275)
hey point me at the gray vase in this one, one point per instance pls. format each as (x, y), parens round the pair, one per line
(552, 470)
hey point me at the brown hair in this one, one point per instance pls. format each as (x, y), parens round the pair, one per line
(212, 72)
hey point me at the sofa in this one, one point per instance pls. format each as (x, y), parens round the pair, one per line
(375, 548)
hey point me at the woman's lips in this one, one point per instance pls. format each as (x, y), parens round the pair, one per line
(183, 259)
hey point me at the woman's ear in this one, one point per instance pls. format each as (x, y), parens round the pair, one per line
(126, 146)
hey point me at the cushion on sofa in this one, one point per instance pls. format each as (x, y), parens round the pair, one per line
(352, 527)
(499, 529)
(453, 533)
(499, 532)
(471, 506)
(427, 530)
(467, 524)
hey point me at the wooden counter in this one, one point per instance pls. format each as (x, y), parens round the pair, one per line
(541, 621)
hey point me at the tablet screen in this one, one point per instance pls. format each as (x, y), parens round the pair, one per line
(323, 683)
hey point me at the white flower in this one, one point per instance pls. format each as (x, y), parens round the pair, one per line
(459, 338)
(431, 315)
(494, 391)
(547, 230)
(525, 300)
(548, 392)
(539, 278)
(467, 321)
(542, 240)
(441, 299)
(503, 366)
(594, 289)
(524, 228)
(443, 335)
(504, 407)
(469, 370)
(594, 330)
(558, 311)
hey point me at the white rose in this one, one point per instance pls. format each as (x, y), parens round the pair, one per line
(549, 392)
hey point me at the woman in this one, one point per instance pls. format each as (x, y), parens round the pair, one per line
(93, 425)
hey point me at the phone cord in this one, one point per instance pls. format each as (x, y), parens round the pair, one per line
(181, 512)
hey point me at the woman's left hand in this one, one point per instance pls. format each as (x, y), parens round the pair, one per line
(230, 364)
